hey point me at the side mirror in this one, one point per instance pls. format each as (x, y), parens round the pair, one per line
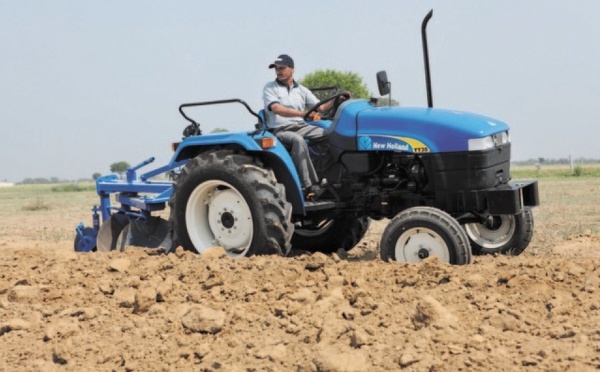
(382, 83)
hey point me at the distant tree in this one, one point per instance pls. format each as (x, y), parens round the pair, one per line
(219, 130)
(54, 180)
(385, 101)
(344, 81)
(95, 176)
(35, 181)
(119, 167)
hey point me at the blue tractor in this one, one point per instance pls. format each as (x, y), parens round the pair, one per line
(442, 177)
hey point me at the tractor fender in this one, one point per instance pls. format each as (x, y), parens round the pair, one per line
(276, 157)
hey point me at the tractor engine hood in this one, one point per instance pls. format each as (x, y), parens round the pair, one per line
(410, 129)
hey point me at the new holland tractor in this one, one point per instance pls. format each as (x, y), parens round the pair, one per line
(442, 178)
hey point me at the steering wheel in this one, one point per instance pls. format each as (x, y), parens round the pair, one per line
(337, 101)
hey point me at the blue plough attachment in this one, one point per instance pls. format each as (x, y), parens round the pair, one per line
(131, 223)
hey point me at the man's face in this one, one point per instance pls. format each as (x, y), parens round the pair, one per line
(284, 72)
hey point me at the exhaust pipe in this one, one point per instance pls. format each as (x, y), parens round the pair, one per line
(426, 57)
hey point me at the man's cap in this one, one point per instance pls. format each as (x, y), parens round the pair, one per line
(283, 60)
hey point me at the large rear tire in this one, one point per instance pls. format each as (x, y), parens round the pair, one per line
(420, 232)
(329, 235)
(505, 234)
(226, 199)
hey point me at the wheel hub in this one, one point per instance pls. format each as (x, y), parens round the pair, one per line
(226, 211)
(218, 215)
(493, 233)
(227, 220)
(493, 223)
(416, 244)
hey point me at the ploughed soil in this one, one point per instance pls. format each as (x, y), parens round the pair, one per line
(140, 310)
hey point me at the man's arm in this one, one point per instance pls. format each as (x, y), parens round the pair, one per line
(326, 107)
(287, 112)
(272, 103)
(312, 100)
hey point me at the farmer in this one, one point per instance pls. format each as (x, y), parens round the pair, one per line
(286, 103)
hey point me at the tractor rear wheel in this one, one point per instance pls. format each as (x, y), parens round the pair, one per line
(222, 198)
(331, 234)
(505, 234)
(420, 232)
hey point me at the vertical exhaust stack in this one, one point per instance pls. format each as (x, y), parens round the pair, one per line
(426, 57)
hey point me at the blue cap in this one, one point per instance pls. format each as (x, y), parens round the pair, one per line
(283, 60)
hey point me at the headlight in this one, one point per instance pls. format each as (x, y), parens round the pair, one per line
(485, 143)
(501, 138)
(489, 142)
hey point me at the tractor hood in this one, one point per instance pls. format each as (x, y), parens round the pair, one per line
(414, 129)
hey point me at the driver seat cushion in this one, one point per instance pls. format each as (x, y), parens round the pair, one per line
(264, 126)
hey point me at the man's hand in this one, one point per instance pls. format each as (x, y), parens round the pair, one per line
(314, 116)
(338, 100)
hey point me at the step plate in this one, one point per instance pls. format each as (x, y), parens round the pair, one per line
(312, 206)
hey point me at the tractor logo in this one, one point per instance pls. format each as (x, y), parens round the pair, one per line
(391, 143)
(365, 143)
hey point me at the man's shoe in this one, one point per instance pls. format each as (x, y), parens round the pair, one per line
(313, 192)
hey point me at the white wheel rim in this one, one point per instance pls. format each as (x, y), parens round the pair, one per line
(217, 214)
(418, 243)
(492, 238)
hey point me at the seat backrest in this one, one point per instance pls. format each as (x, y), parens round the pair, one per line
(263, 117)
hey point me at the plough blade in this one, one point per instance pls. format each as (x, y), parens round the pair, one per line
(150, 233)
(109, 232)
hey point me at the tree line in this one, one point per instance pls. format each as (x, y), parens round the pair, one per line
(559, 161)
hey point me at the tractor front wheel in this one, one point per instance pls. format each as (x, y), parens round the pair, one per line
(505, 234)
(420, 232)
(226, 199)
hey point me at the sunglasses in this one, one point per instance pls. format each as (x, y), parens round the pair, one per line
(280, 68)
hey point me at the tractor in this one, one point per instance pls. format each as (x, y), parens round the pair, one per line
(442, 178)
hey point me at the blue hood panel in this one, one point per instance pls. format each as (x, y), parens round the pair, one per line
(414, 129)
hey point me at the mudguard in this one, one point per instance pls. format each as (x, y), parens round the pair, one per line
(276, 157)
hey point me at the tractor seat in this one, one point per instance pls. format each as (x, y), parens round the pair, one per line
(325, 124)
(263, 119)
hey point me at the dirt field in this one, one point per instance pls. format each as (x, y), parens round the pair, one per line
(138, 311)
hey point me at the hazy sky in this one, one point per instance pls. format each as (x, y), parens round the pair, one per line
(84, 84)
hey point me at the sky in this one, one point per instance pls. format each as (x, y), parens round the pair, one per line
(84, 84)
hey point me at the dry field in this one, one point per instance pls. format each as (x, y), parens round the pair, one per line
(137, 311)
